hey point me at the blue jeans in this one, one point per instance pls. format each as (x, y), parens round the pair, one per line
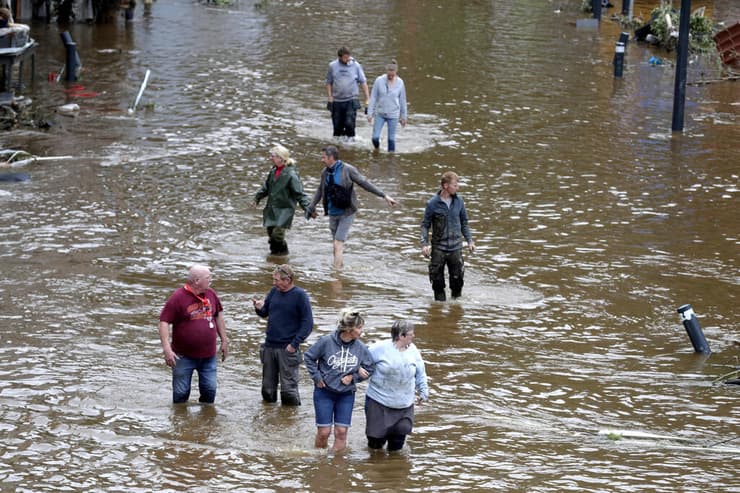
(333, 408)
(378, 127)
(182, 375)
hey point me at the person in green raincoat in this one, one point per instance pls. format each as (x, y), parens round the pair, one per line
(283, 189)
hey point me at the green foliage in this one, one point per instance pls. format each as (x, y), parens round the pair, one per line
(701, 29)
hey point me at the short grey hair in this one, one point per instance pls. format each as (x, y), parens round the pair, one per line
(401, 328)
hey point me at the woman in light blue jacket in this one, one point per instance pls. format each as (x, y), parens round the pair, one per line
(387, 105)
(389, 401)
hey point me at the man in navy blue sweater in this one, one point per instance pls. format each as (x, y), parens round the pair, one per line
(289, 322)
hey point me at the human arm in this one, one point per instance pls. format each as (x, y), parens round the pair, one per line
(402, 104)
(306, 321)
(262, 305)
(297, 193)
(421, 377)
(356, 177)
(318, 194)
(221, 330)
(465, 228)
(164, 336)
(365, 368)
(426, 223)
(264, 190)
(374, 97)
(311, 360)
(366, 90)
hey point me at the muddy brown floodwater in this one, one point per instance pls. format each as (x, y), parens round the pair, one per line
(593, 222)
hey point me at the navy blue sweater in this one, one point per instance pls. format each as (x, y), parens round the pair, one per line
(289, 317)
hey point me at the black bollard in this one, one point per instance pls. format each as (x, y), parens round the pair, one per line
(596, 7)
(618, 59)
(624, 37)
(691, 324)
(625, 7)
(72, 65)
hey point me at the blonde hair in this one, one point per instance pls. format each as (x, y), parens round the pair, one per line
(283, 153)
(350, 318)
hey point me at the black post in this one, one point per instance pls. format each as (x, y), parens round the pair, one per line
(618, 59)
(72, 65)
(626, 7)
(693, 329)
(679, 91)
(596, 7)
(619, 54)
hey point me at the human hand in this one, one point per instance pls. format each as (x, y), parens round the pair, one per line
(320, 384)
(347, 379)
(403, 122)
(426, 250)
(170, 358)
(290, 348)
(363, 373)
(471, 247)
(329, 106)
(258, 303)
(390, 200)
(224, 350)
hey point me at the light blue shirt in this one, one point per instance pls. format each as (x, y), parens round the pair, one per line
(397, 375)
(344, 79)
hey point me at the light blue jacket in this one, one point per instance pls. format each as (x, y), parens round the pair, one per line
(388, 101)
(397, 375)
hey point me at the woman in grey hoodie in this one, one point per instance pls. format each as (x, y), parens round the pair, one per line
(336, 362)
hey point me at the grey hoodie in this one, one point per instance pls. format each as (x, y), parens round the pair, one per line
(330, 358)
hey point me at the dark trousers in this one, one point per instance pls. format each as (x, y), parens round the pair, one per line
(280, 366)
(454, 262)
(396, 437)
(343, 116)
(278, 245)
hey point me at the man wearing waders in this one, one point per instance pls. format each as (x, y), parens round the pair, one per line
(445, 214)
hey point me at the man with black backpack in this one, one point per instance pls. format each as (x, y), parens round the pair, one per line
(336, 190)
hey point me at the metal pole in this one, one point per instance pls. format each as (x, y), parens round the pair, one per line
(679, 92)
(626, 7)
(618, 59)
(596, 7)
(693, 329)
(72, 65)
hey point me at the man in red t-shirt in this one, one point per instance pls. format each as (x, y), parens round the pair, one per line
(196, 316)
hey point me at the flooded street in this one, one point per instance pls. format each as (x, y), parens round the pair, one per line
(593, 224)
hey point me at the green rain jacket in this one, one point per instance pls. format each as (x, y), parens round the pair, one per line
(282, 195)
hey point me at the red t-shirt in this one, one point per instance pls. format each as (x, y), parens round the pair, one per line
(192, 334)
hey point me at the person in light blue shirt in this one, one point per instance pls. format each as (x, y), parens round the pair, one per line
(387, 105)
(389, 400)
(342, 79)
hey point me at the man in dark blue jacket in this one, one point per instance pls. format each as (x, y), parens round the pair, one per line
(289, 321)
(446, 216)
